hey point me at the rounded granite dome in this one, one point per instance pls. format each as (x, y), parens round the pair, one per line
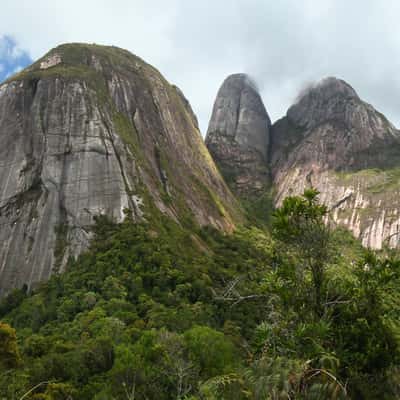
(240, 81)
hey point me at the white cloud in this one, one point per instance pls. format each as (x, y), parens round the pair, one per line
(282, 44)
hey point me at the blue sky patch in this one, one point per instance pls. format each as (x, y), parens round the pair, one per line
(12, 57)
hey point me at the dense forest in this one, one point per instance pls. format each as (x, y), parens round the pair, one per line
(291, 309)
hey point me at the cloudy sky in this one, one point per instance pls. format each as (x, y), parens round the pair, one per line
(284, 45)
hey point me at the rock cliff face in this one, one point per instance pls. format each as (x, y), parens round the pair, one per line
(238, 135)
(91, 130)
(334, 129)
(329, 139)
(334, 141)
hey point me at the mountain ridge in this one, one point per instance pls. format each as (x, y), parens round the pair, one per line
(92, 130)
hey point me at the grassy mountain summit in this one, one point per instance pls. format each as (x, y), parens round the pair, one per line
(93, 130)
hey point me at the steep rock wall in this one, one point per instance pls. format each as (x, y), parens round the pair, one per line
(332, 140)
(91, 130)
(238, 136)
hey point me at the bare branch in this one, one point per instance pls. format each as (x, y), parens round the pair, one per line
(33, 389)
(231, 294)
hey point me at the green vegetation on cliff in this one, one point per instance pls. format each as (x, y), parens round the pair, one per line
(161, 312)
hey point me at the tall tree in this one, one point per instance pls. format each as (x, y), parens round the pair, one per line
(9, 352)
(299, 224)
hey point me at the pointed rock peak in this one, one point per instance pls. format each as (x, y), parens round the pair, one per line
(238, 135)
(239, 113)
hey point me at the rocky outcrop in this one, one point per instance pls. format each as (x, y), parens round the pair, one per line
(331, 126)
(334, 141)
(91, 130)
(329, 139)
(238, 135)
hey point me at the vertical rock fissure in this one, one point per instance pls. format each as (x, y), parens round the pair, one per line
(161, 171)
(128, 190)
(238, 113)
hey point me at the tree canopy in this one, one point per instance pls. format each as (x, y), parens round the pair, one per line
(166, 312)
